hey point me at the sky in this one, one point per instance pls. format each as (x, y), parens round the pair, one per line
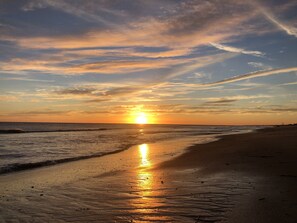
(114, 61)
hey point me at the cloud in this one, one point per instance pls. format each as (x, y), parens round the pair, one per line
(158, 109)
(289, 29)
(33, 5)
(97, 100)
(76, 91)
(284, 110)
(241, 97)
(120, 91)
(72, 62)
(288, 84)
(167, 74)
(150, 33)
(228, 100)
(169, 52)
(259, 65)
(216, 109)
(25, 79)
(123, 66)
(42, 65)
(236, 50)
(41, 112)
(113, 50)
(8, 98)
(262, 73)
(100, 93)
(199, 62)
(66, 67)
(161, 109)
(89, 12)
(292, 31)
(187, 26)
(268, 109)
(220, 102)
(205, 15)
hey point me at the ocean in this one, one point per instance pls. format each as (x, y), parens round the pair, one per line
(33, 145)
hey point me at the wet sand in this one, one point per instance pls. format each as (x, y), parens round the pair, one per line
(266, 158)
(239, 178)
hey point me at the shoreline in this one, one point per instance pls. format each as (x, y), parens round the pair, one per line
(198, 155)
(269, 156)
(21, 167)
(238, 178)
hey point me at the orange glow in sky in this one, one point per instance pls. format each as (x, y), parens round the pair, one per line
(150, 67)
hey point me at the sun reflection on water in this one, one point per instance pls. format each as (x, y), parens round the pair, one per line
(144, 155)
(145, 206)
(144, 175)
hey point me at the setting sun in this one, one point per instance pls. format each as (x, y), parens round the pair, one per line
(141, 118)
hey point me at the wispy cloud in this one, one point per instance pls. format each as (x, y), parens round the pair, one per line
(278, 109)
(8, 98)
(177, 28)
(288, 28)
(288, 84)
(199, 62)
(85, 11)
(25, 79)
(177, 31)
(76, 91)
(253, 75)
(220, 102)
(42, 112)
(166, 67)
(236, 50)
(259, 65)
(122, 66)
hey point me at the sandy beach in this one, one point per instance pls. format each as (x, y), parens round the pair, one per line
(239, 178)
(266, 159)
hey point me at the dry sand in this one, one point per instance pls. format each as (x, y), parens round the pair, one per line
(240, 178)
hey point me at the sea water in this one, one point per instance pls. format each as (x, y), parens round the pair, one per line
(33, 145)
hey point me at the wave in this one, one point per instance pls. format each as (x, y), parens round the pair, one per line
(15, 167)
(16, 131)
(8, 131)
(21, 131)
